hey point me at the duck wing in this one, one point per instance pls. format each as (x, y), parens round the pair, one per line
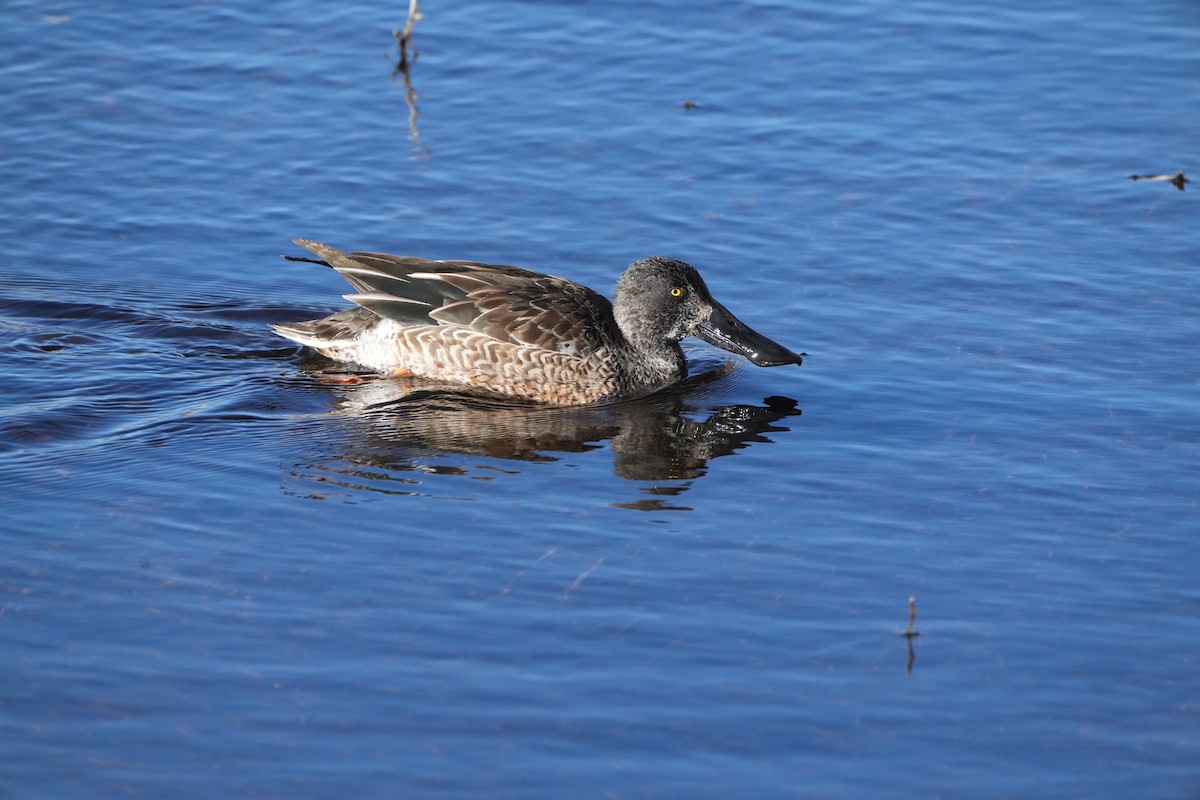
(508, 304)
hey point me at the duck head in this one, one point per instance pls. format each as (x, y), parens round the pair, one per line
(661, 300)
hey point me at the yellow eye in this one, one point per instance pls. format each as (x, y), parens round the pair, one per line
(676, 292)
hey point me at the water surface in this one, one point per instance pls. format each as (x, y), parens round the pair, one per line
(228, 571)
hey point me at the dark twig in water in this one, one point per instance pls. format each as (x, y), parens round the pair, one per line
(1177, 180)
(410, 100)
(404, 37)
(912, 617)
(910, 633)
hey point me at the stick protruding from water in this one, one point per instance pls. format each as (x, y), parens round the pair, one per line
(912, 617)
(404, 37)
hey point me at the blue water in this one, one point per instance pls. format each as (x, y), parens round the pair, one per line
(225, 571)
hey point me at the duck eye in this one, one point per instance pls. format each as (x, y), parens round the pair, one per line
(676, 292)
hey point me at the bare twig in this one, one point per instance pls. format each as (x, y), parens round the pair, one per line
(404, 37)
(910, 633)
(912, 617)
(1178, 179)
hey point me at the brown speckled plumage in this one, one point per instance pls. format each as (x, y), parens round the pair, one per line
(513, 332)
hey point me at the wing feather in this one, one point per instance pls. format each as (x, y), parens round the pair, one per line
(508, 304)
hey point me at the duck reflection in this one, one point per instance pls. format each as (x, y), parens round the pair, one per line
(399, 426)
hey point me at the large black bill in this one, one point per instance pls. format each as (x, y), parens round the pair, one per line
(729, 333)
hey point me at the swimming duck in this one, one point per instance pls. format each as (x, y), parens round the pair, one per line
(517, 333)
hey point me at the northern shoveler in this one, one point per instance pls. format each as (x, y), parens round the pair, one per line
(517, 333)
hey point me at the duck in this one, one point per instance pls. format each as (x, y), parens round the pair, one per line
(512, 332)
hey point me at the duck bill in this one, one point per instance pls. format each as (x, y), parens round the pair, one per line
(728, 332)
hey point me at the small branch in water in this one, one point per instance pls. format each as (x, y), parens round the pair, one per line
(410, 100)
(910, 633)
(404, 37)
(1177, 180)
(912, 617)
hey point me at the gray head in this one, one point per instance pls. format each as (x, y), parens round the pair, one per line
(659, 301)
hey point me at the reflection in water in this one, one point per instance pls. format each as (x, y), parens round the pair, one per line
(911, 633)
(912, 654)
(404, 41)
(398, 428)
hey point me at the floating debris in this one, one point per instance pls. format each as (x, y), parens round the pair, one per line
(1177, 180)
